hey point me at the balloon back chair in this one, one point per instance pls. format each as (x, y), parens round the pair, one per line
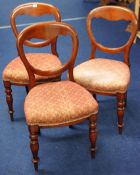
(15, 72)
(55, 104)
(107, 76)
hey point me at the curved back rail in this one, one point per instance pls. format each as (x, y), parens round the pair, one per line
(35, 9)
(47, 31)
(112, 13)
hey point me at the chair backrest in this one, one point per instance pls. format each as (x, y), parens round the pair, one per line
(112, 13)
(47, 31)
(34, 9)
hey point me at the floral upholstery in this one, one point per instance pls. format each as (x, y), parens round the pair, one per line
(15, 71)
(58, 103)
(103, 75)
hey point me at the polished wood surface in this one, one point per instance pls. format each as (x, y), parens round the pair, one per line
(34, 9)
(9, 98)
(34, 130)
(112, 13)
(93, 134)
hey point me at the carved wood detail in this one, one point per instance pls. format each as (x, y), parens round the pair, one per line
(9, 98)
(120, 111)
(93, 134)
(34, 145)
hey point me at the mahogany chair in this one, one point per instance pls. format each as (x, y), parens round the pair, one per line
(106, 76)
(55, 104)
(15, 72)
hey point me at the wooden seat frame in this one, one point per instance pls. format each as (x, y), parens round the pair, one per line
(30, 9)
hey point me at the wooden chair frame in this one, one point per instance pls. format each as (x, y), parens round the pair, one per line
(113, 13)
(48, 31)
(30, 9)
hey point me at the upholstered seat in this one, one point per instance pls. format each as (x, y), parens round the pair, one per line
(55, 104)
(103, 75)
(15, 71)
(61, 103)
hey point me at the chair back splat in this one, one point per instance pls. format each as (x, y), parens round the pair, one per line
(35, 10)
(47, 31)
(112, 14)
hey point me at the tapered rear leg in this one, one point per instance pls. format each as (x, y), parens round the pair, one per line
(27, 89)
(125, 100)
(94, 95)
(71, 126)
(39, 132)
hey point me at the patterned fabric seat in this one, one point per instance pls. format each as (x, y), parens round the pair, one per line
(15, 71)
(58, 103)
(55, 104)
(103, 75)
(106, 76)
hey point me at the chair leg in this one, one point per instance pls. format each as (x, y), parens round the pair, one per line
(93, 134)
(27, 89)
(94, 95)
(71, 126)
(120, 110)
(34, 145)
(9, 98)
(125, 100)
(39, 132)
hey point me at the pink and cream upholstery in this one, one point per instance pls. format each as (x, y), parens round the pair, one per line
(106, 76)
(15, 71)
(103, 75)
(61, 103)
(55, 104)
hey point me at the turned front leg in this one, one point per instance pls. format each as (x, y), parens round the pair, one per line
(93, 134)
(9, 98)
(34, 145)
(120, 110)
